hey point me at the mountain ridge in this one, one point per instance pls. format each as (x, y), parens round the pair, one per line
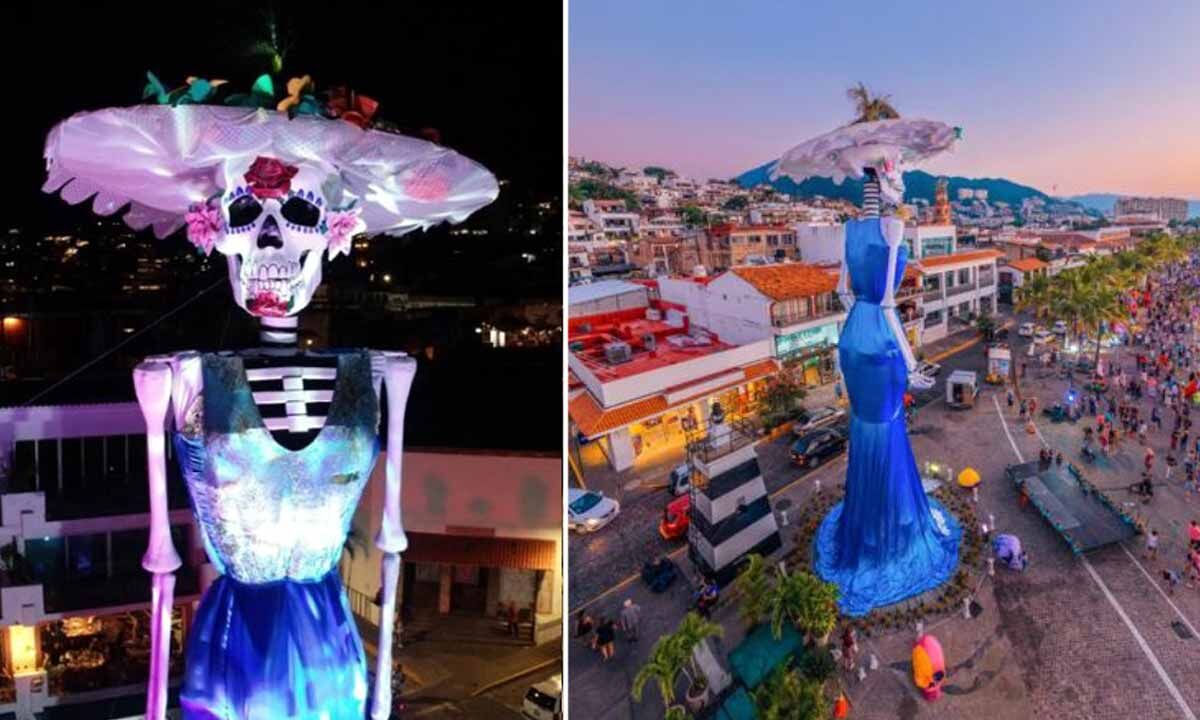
(918, 184)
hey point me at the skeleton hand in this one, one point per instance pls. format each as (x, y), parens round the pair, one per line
(919, 382)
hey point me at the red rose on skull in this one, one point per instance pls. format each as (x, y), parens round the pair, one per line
(270, 178)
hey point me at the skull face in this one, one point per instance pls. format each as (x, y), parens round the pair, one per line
(274, 235)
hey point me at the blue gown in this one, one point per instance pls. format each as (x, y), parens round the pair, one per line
(273, 638)
(887, 540)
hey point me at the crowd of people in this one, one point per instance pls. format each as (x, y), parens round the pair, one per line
(1145, 396)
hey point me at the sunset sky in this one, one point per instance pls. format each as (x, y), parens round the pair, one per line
(1070, 96)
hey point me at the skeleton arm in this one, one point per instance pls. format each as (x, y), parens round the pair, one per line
(152, 381)
(398, 375)
(893, 231)
(845, 294)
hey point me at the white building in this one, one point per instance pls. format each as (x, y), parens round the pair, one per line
(617, 222)
(820, 242)
(643, 375)
(956, 288)
(930, 240)
(792, 305)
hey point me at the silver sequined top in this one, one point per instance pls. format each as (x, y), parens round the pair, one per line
(268, 513)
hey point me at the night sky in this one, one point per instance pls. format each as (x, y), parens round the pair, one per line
(488, 77)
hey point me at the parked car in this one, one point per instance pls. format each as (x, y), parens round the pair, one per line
(813, 418)
(928, 369)
(1060, 327)
(816, 447)
(543, 701)
(1026, 329)
(590, 510)
(675, 520)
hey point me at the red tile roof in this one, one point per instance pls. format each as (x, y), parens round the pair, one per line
(788, 281)
(956, 258)
(1026, 264)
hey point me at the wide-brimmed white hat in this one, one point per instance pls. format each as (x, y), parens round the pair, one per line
(884, 145)
(161, 159)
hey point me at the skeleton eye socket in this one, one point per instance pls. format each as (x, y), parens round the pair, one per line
(244, 211)
(299, 211)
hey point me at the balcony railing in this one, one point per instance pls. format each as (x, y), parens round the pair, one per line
(932, 295)
(959, 289)
(986, 280)
(784, 319)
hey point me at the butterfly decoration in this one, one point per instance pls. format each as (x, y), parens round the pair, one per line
(262, 94)
(300, 99)
(196, 91)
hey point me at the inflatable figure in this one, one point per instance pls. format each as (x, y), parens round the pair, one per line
(929, 667)
(273, 483)
(886, 541)
(1008, 551)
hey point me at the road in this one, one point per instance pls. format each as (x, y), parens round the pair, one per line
(500, 703)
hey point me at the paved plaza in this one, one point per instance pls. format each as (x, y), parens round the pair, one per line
(1093, 637)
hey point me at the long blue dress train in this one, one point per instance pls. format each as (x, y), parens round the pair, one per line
(886, 541)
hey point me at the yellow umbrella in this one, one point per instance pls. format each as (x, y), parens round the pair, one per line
(968, 478)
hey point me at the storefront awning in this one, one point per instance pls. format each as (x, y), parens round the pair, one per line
(516, 553)
(593, 420)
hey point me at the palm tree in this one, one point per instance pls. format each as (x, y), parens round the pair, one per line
(1035, 295)
(870, 107)
(788, 695)
(808, 601)
(672, 655)
(754, 587)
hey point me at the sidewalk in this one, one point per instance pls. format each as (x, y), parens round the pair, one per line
(457, 670)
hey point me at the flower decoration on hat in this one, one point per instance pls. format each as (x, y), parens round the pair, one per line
(204, 225)
(345, 104)
(270, 178)
(340, 226)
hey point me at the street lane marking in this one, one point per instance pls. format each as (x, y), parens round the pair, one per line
(1158, 668)
(1170, 602)
(1004, 425)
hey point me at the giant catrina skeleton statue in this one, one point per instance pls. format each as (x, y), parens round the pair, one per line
(275, 444)
(886, 541)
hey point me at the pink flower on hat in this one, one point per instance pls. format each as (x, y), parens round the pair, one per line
(341, 225)
(204, 225)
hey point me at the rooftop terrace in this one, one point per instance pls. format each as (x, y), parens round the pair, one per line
(653, 343)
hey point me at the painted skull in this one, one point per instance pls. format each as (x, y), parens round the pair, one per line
(273, 223)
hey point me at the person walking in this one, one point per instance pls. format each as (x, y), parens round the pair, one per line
(1171, 579)
(1011, 398)
(1194, 535)
(606, 635)
(1151, 546)
(631, 616)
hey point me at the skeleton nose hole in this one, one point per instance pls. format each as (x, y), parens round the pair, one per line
(269, 236)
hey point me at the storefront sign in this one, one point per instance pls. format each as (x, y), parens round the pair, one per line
(809, 338)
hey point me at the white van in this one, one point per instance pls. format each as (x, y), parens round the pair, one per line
(543, 701)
